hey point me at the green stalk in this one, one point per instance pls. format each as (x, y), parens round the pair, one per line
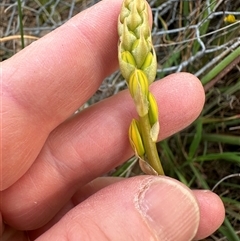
(229, 231)
(223, 64)
(150, 147)
(138, 64)
(227, 139)
(20, 23)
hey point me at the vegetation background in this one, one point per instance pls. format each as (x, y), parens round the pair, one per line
(197, 36)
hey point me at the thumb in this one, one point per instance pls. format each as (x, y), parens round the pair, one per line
(139, 208)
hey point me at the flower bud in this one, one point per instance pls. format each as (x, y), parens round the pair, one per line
(136, 139)
(134, 19)
(138, 87)
(140, 50)
(148, 61)
(127, 57)
(153, 109)
(135, 37)
(153, 117)
(127, 64)
(127, 38)
(138, 80)
(150, 70)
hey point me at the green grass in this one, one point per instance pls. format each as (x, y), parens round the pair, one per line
(208, 150)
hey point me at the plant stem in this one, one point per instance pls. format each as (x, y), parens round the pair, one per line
(20, 23)
(219, 67)
(149, 145)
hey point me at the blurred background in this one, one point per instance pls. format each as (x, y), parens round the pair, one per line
(197, 36)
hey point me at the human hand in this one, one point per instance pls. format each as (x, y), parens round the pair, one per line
(51, 160)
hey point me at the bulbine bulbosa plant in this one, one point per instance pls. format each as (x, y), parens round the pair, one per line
(138, 64)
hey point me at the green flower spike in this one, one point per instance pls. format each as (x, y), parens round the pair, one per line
(138, 64)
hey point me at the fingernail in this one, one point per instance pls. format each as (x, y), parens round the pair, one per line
(169, 209)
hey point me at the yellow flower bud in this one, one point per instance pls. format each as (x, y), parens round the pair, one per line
(150, 70)
(148, 61)
(127, 64)
(138, 80)
(127, 57)
(153, 117)
(138, 87)
(135, 139)
(153, 109)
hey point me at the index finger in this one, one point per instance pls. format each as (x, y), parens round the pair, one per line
(46, 82)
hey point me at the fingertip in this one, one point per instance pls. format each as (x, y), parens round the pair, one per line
(170, 209)
(212, 213)
(187, 86)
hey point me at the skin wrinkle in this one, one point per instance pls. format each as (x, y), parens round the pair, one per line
(66, 169)
(76, 223)
(91, 133)
(7, 92)
(71, 232)
(69, 169)
(58, 161)
(20, 98)
(59, 165)
(27, 154)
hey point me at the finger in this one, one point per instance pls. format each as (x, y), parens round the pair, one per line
(90, 145)
(210, 205)
(212, 213)
(149, 208)
(63, 70)
(80, 195)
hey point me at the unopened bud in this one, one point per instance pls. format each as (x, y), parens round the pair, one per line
(136, 139)
(153, 109)
(127, 57)
(138, 87)
(140, 50)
